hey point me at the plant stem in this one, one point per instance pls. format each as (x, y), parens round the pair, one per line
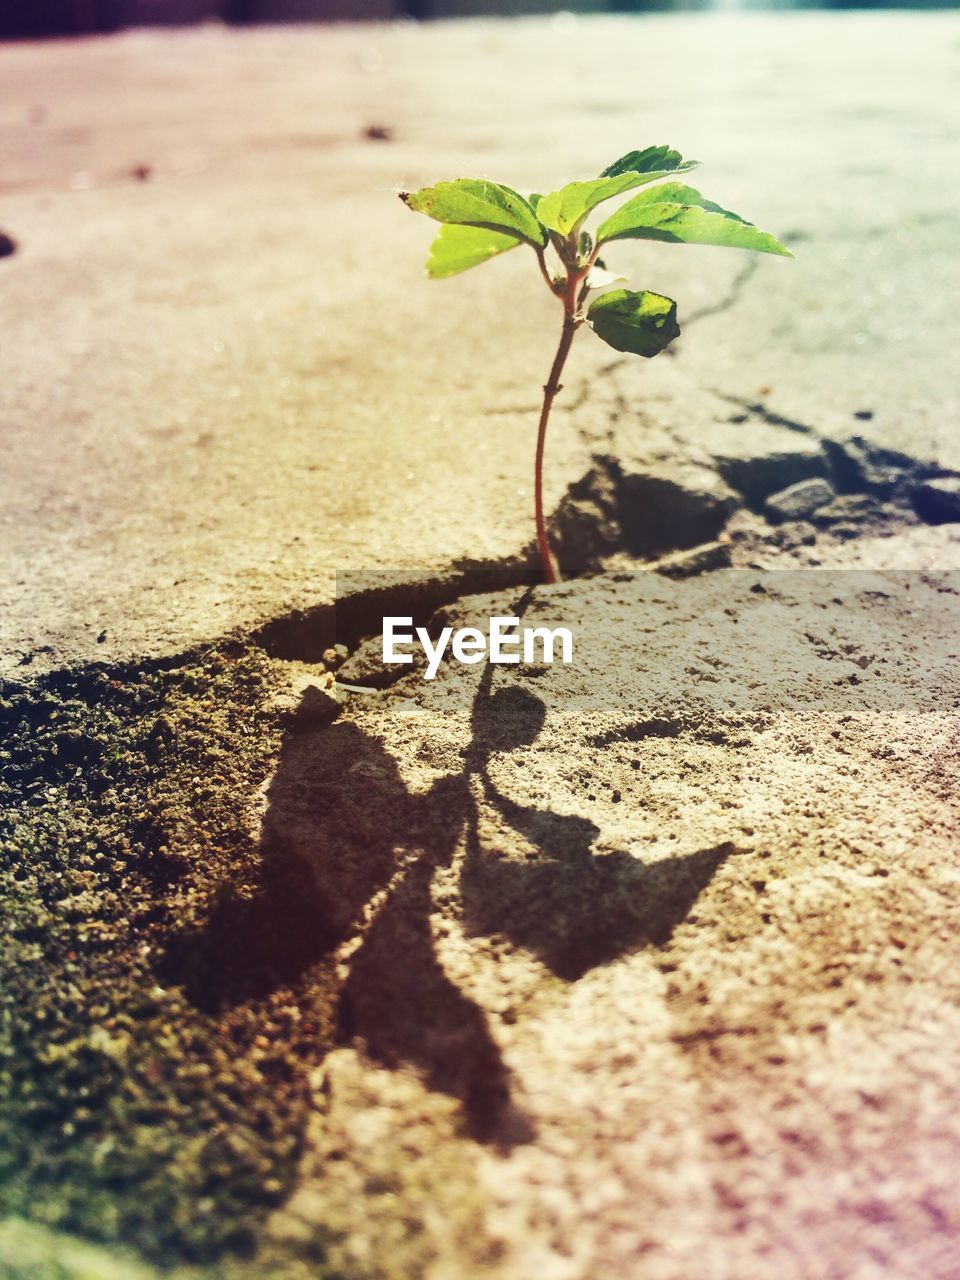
(550, 571)
(541, 259)
(572, 294)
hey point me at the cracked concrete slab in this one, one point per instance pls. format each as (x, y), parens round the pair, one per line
(721, 1043)
(637, 965)
(224, 375)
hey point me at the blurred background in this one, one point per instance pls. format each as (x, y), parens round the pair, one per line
(44, 18)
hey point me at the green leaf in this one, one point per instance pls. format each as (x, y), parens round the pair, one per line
(682, 215)
(650, 160)
(458, 248)
(477, 203)
(565, 209)
(642, 323)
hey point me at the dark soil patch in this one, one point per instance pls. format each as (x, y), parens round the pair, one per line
(129, 1111)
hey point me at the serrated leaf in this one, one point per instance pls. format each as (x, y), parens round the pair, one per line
(458, 248)
(679, 214)
(477, 203)
(642, 323)
(563, 210)
(649, 160)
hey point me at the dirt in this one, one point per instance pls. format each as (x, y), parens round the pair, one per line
(640, 964)
(131, 1111)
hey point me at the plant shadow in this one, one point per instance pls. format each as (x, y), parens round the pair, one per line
(348, 860)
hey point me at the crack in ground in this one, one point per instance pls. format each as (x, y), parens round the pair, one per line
(593, 523)
(585, 390)
(759, 410)
(729, 299)
(140, 911)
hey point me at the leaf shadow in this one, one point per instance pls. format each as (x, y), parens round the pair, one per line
(348, 859)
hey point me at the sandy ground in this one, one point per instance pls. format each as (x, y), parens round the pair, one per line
(641, 964)
(227, 378)
(672, 924)
(637, 966)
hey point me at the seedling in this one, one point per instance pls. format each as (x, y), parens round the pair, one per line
(484, 219)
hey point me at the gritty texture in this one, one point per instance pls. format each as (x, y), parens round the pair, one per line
(131, 1109)
(225, 375)
(640, 965)
(672, 925)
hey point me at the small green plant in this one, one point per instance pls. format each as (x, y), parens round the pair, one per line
(483, 219)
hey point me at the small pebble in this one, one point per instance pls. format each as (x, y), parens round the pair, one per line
(335, 656)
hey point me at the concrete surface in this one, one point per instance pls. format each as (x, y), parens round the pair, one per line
(639, 967)
(653, 979)
(224, 375)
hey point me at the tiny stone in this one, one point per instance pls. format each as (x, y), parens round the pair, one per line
(849, 506)
(687, 564)
(764, 459)
(334, 656)
(799, 500)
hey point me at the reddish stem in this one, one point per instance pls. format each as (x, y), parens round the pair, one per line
(550, 571)
(573, 297)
